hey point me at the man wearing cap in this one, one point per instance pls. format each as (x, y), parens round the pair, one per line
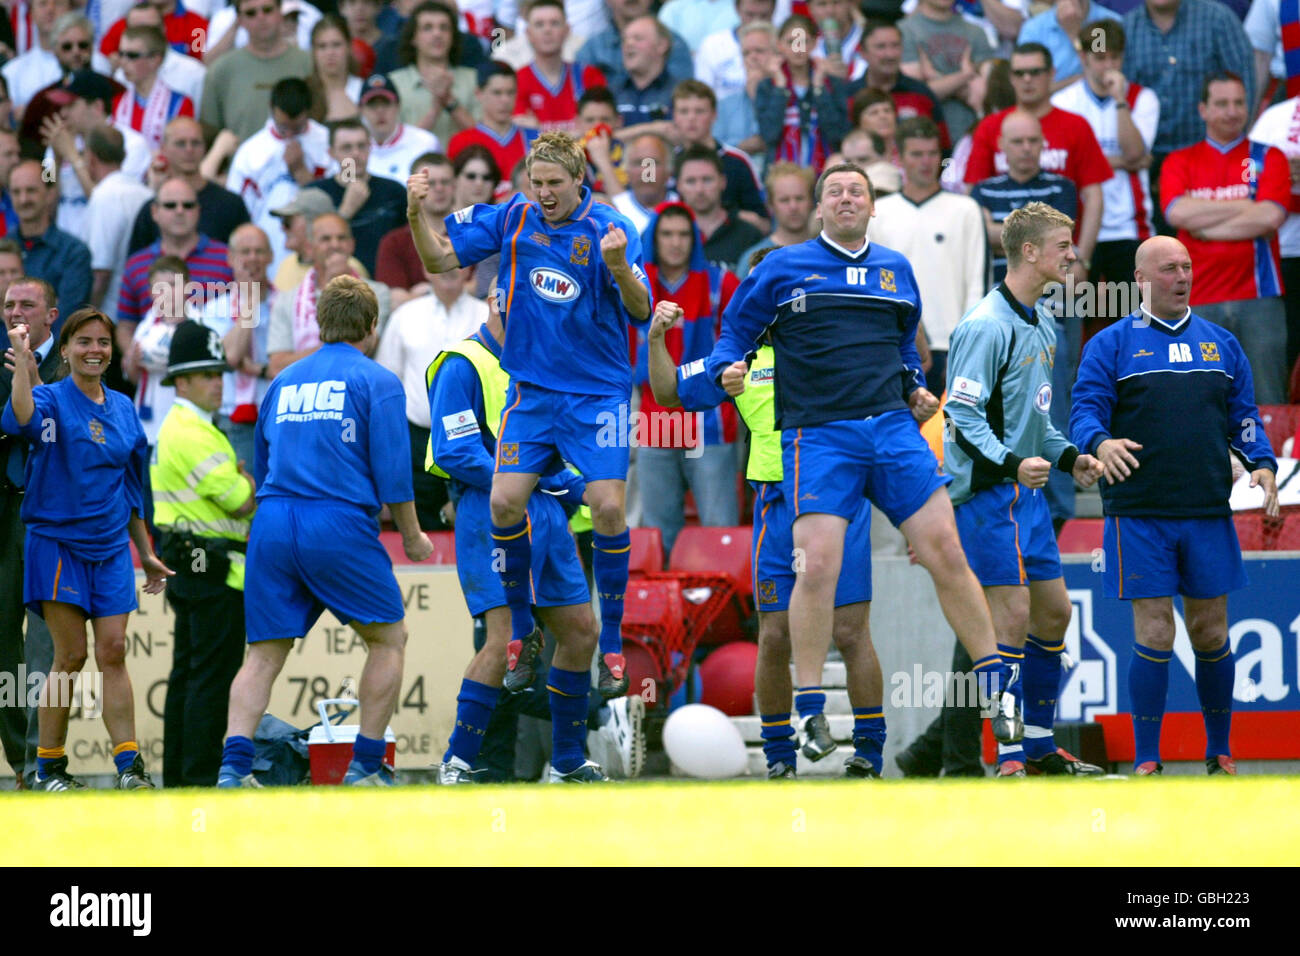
(394, 145)
(294, 218)
(64, 134)
(203, 498)
(372, 205)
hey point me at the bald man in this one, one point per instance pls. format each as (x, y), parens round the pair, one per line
(220, 210)
(1164, 438)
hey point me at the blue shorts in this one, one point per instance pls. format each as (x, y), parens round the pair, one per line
(1006, 532)
(828, 468)
(1160, 557)
(773, 557)
(589, 432)
(100, 588)
(557, 576)
(307, 556)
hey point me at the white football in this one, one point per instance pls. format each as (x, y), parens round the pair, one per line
(703, 742)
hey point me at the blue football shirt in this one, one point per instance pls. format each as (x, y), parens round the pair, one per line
(332, 427)
(566, 327)
(85, 469)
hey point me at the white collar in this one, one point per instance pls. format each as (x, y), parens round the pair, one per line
(1168, 325)
(836, 246)
(186, 403)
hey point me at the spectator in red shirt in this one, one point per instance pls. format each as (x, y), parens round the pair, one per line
(1228, 222)
(676, 448)
(549, 88)
(1070, 147)
(497, 132)
(186, 32)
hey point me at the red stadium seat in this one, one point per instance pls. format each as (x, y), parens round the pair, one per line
(1081, 536)
(1280, 423)
(1250, 529)
(724, 550)
(1286, 535)
(647, 554)
(654, 619)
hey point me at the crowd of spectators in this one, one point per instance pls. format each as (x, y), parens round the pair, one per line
(164, 160)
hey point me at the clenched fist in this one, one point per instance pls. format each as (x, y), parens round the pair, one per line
(613, 248)
(667, 314)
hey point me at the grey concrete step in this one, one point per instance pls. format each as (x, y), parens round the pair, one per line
(837, 702)
(751, 728)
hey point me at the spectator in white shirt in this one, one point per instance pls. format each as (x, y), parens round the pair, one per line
(720, 62)
(647, 160)
(416, 333)
(179, 71)
(394, 145)
(67, 44)
(110, 213)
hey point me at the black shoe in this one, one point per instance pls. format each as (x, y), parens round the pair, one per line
(1221, 764)
(58, 778)
(815, 737)
(135, 777)
(1063, 764)
(1008, 722)
(782, 771)
(857, 766)
(521, 661)
(611, 676)
(589, 772)
(911, 765)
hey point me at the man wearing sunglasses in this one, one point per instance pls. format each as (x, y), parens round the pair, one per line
(176, 211)
(185, 30)
(148, 104)
(70, 49)
(182, 73)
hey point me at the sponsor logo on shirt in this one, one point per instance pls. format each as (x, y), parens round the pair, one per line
(540, 239)
(1235, 191)
(1209, 351)
(1143, 353)
(1043, 398)
(460, 424)
(967, 392)
(762, 376)
(464, 215)
(693, 368)
(553, 285)
(580, 254)
(311, 401)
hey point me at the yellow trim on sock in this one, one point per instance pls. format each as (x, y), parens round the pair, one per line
(775, 723)
(1153, 660)
(51, 753)
(125, 746)
(613, 550)
(1210, 660)
(508, 537)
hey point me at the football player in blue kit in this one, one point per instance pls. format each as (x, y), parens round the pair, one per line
(84, 482)
(571, 280)
(1163, 398)
(467, 390)
(323, 465)
(842, 315)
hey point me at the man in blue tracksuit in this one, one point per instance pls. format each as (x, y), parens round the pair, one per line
(1163, 397)
(842, 314)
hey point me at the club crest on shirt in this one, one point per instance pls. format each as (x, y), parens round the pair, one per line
(887, 280)
(580, 254)
(767, 592)
(97, 432)
(508, 453)
(1210, 351)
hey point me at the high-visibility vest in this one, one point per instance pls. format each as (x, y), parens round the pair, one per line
(494, 380)
(757, 406)
(197, 484)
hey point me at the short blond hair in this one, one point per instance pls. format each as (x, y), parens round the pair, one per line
(1030, 223)
(562, 150)
(347, 310)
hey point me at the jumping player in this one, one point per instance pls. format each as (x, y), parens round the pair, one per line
(323, 463)
(571, 279)
(842, 314)
(467, 390)
(1163, 436)
(774, 577)
(1002, 448)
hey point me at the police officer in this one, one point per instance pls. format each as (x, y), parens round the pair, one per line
(203, 498)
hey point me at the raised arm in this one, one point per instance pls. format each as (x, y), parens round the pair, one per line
(436, 251)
